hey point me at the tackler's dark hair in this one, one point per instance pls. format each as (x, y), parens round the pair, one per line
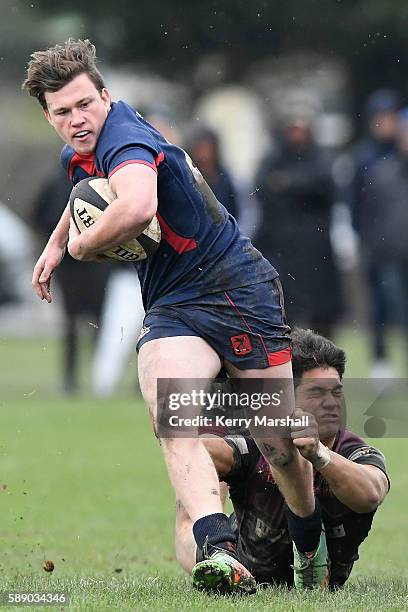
(309, 351)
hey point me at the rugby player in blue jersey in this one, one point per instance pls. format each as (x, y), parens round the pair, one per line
(210, 297)
(350, 484)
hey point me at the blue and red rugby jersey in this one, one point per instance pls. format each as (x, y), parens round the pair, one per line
(202, 250)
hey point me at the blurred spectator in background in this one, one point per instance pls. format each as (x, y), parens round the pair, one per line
(162, 118)
(385, 229)
(122, 318)
(377, 145)
(16, 244)
(296, 194)
(7, 295)
(204, 150)
(82, 284)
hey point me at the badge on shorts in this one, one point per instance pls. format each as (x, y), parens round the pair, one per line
(241, 344)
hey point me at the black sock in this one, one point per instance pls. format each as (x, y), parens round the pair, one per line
(305, 531)
(215, 529)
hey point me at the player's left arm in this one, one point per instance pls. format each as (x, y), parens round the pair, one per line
(135, 186)
(360, 487)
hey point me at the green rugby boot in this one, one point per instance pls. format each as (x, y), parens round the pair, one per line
(222, 573)
(311, 570)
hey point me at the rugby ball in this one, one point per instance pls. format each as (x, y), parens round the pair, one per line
(88, 200)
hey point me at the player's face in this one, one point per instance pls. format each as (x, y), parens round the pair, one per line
(320, 393)
(78, 112)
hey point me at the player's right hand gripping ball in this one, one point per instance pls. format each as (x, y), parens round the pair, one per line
(88, 200)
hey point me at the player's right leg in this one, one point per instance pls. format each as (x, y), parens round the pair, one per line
(186, 547)
(191, 470)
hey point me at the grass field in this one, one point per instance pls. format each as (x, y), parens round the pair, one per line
(82, 483)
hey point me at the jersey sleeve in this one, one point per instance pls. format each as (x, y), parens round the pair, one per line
(246, 456)
(365, 455)
(124, 144)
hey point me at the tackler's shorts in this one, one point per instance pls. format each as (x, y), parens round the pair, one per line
(245, 326)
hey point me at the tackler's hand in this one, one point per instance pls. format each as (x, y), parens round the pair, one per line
(306, 436)
(306, 439)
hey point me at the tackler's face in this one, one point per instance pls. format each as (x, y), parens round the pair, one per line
(78, 112)
(320, 393)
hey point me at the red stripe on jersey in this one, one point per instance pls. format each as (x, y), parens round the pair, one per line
(86, 162)
(280, 357)
(133, 161)
(179, 244)
(159, 159)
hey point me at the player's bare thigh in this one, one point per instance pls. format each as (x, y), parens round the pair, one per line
(178, 357)
(283, 376)
(275, 446)
(283, 371)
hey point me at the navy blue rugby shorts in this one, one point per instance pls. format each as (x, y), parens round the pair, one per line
(245, 326)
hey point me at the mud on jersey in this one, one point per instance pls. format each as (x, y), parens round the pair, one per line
(264, 546)
(202, 250)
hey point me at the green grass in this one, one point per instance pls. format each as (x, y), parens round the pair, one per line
(82, 483)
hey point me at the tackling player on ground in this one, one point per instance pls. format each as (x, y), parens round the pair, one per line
(350, 479)
(211, 299)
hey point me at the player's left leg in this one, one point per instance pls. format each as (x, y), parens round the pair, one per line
(294, 476)
(261, 352)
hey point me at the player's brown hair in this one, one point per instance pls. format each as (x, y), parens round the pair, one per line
(50, 70)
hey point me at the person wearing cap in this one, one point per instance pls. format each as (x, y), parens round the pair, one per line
(295, 190)
(386, 227)
(379, 143)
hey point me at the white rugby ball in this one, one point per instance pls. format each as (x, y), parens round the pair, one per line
(88, 200)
